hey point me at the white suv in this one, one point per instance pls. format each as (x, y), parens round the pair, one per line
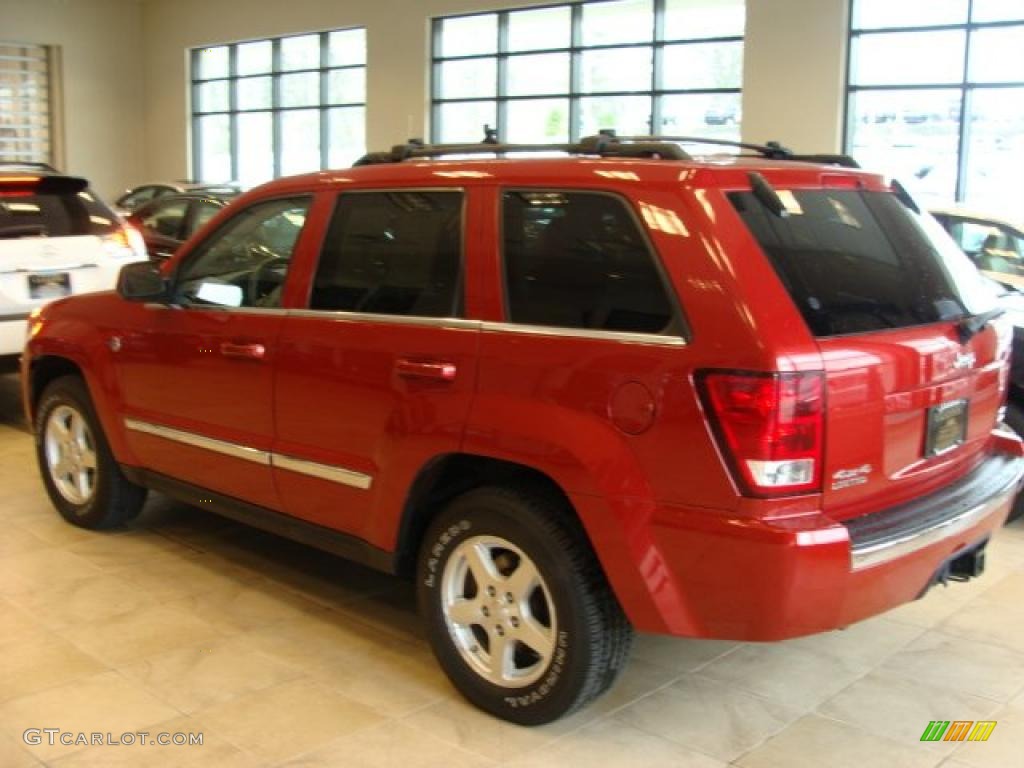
(57, 238)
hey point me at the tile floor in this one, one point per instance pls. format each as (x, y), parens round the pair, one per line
(282, 656)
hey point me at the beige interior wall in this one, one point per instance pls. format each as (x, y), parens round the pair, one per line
(793, 71)
(101, 76)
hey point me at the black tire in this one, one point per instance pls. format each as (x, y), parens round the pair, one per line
(1015, 420)
(113, 500)
(593, 637)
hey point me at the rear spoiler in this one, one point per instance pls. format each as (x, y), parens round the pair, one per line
(44, 185)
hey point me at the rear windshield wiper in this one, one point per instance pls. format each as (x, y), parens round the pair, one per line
(968, 326)
(23, 230)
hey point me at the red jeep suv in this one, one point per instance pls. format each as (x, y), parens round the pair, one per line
(746, 397)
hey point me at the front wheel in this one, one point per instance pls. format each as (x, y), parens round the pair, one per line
(80, 473)
(517, 609)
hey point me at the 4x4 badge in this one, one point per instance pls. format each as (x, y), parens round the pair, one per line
(845, 478)
(964, 360)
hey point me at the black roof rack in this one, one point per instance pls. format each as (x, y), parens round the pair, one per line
(605, 144)
(771, 149)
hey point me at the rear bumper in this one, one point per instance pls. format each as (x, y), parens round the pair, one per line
(768, 580)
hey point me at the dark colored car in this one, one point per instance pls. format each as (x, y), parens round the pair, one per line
(145, 193)
(571, 397)
(169, 221)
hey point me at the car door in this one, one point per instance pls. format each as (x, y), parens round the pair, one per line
(376, 377)
(196, 376)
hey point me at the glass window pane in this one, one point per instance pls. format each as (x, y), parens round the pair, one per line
(212, 96)
(716, 116)
(908, 58)
(622, 21)
(255, 148)
(464, 121)
(911, 135)
(691, 19)
(300, 52)
(997, 55)
(468, 78)
(300, 150)
(616, 69)
(255, 58)
(346, 86)
(998, 10)
(211, 62)
(346, 47)
(346, 139)
(537, 121)
(300, 90)
(537, 74)
(245, 262)
(214, 148)
(578, 260)
(703, 65)
(627, 115)
(995, 150)
(393, 253)
(541, 28)
(254, 93)
(468, 35)
(878, 14)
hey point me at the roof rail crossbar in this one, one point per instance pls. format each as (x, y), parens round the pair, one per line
(603, 145)
(772, 150)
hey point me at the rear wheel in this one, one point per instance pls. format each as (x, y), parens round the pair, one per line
(517, 609)
(80, 473)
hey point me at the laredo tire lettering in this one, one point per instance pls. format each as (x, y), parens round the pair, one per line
(592, 636)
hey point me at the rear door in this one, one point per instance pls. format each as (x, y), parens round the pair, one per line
(910, 403)
(376, 377)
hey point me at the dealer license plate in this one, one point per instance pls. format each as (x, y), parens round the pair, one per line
(947, 427)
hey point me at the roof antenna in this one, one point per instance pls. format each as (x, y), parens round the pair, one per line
(490, 135)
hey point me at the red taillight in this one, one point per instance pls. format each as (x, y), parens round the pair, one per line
(770, 427)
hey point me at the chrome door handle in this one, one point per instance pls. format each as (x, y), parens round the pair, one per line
(244, 351)
(426, 369)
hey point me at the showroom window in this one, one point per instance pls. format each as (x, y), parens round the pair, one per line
(25, 131)
(936, 95)
(268, 108)
(557, 73)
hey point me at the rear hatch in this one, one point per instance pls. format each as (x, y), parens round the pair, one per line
(910, 399)
(56, 238)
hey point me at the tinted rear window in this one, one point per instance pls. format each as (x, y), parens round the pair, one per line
(25, 214)
(855, 261)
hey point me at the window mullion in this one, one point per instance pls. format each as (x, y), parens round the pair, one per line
(575, 73)
(657, 64)
(233, 110)
(275, 103)
(324, 116)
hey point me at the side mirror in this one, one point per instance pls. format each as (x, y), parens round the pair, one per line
(142, 281)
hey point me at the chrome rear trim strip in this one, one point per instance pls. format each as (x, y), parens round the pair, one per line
(626, 337)
(198, 441)
(893, 549)
(323, 471)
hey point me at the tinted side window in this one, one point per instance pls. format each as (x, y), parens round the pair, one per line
(202, 213)
(245, 262)
(579, 260)
(393, 253)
